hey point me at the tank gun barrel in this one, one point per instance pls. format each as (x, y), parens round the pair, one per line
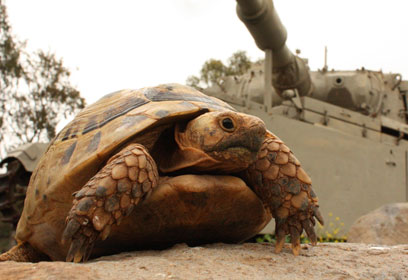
(262, 21)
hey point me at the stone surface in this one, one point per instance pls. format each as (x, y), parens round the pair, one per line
(387, 225)
(221, 261)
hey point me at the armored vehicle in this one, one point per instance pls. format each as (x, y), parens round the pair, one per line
(19, 165)
(349, 128)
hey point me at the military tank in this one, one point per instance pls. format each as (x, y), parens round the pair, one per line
(348, 128)
(19, 165)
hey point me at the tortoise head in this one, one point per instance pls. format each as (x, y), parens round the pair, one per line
(224, 141)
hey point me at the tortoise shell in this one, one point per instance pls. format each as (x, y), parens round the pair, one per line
(87, 142)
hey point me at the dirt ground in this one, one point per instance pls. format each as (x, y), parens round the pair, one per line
(222, 261)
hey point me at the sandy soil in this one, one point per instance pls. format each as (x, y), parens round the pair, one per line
(221, 261)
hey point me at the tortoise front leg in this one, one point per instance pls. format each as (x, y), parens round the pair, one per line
(279, 180)
(107, 197)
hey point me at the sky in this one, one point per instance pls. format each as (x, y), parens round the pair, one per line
(112, 45)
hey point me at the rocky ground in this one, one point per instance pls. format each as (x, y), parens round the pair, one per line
(221, 261)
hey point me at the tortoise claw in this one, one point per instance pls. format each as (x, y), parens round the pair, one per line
(295, 240)
(280, 235)
(308, 227)
(88, 251)
(71, 228)
(105, 232)
(81, 246)
(318, 215)
(280, 241)
(76, 245)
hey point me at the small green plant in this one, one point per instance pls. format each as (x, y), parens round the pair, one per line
(265, 238)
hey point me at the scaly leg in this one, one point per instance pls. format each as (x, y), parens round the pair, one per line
(279, 180)
(110, 195)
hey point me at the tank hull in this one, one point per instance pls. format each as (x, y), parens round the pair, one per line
(351, 174)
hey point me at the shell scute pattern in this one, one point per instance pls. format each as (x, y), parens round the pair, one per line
(68, 153)
(94, 143)
(112, 113)
(131, 102)
(176, 93)
(97, 131)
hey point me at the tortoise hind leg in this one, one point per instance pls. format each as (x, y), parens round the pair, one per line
(107, 197)
(23, 252)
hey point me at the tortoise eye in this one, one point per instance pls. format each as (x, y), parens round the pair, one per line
(227, 124)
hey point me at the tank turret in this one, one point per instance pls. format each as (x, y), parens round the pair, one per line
(289, 72)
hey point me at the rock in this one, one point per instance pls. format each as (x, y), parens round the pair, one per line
(222, 261)
(387, 225)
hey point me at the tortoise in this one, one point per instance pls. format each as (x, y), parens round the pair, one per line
(153, 167)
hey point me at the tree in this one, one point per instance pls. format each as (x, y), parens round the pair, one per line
(214, 71)
(50, 98)
(35, 91)
(238, 63)
(10, 67)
